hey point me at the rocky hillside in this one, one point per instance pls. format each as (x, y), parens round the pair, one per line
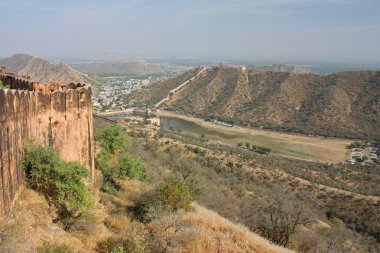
(16, 62)
(344, 104)
(153, 93)
(41, 70)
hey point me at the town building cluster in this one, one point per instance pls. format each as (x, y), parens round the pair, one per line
(109, 95)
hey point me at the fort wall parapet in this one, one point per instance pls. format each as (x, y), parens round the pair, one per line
(53, 115)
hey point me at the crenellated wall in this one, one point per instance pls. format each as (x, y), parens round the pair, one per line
(55, 115)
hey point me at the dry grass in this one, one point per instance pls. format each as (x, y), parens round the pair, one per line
(101, 230)
(126, 233)
(31, 226)
(206, 231)
(120, 224)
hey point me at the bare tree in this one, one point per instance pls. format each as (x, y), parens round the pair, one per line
(278, 224)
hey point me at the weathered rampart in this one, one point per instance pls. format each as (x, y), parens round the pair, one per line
(55, 115)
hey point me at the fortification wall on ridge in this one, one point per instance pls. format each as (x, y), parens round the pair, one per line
(53, 115)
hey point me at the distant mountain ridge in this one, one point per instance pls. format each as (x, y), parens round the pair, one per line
(119, 68)
(280, 68)
(117, 57)
(111, 63)
(345, 104)
(41, 70)
(16, 62)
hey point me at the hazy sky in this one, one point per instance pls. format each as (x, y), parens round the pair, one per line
(236, 29)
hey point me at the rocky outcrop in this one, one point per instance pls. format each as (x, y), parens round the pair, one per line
(54, 115)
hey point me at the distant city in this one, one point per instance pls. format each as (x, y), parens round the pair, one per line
(109, 95)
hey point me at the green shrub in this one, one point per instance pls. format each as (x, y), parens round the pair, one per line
(198, 150)
(113, 138)
(102, 160)
(109, 186)
(337, 222)
(263, 150)
(175, 195)
(61, 182)
(167, 197)
(126, 167)
(55, 248)
(114, 141)
(2, 86)
(119, 249)
(130, 167)
(358, 144)
(121, 244)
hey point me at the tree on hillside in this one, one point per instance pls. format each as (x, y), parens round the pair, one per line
(279, 223)
(276, 219)
(113, 138)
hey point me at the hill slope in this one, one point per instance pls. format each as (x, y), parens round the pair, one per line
(345, 104)
(153, 93)
(206, 231)
(32, 225)
(16, 62)
(41, 70)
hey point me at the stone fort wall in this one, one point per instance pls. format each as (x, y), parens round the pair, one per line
(53, 115)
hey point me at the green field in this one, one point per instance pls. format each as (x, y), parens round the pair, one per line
(291, 145)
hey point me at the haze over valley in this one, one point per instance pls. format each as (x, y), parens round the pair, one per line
(190, 126)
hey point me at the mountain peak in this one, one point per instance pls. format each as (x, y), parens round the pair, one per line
(16, 62)
(41, 70)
